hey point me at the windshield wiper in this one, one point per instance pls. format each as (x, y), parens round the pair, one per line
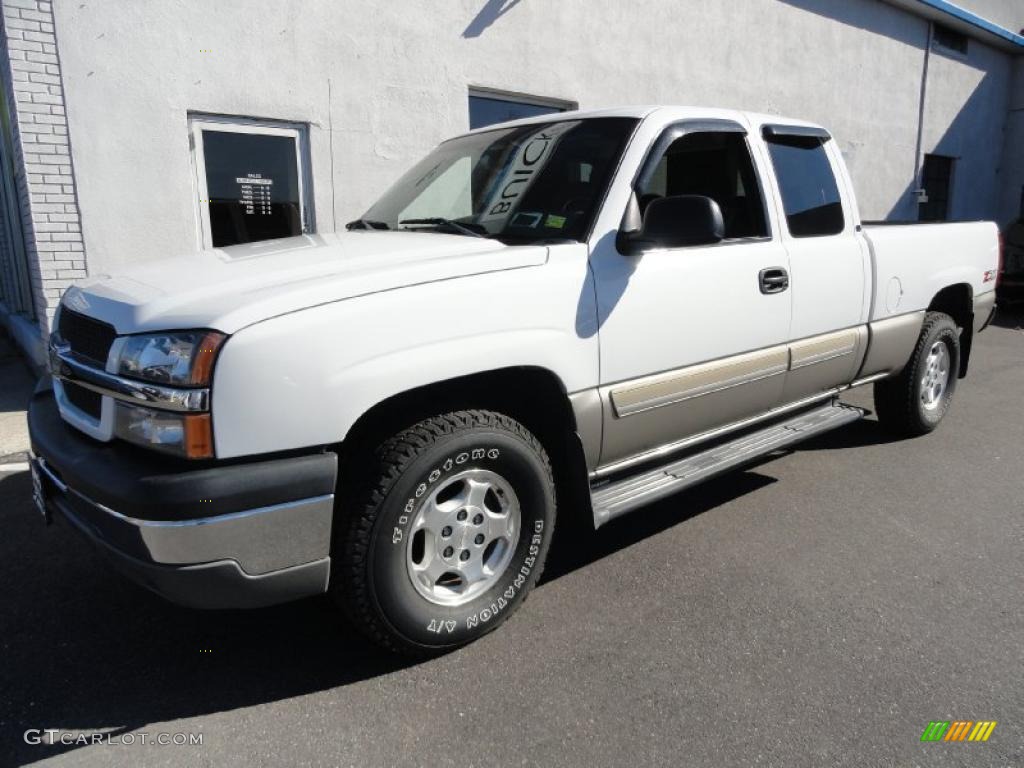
(463, 229)
(366, 224)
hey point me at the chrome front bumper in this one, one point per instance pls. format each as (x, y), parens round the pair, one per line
(193, 535)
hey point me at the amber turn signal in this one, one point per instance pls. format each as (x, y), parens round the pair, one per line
(203, 357)
(198, 436)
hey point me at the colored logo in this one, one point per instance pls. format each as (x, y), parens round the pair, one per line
(958, 730)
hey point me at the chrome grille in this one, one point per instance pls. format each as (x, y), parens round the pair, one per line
(89, 338)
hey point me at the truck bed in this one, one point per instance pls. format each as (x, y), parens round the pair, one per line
(911, 264)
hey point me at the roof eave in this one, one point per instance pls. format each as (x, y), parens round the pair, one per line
(967, 22)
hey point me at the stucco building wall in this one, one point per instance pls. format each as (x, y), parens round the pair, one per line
(379, 84)
(383, 83)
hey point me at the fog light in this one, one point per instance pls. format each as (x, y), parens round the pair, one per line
(186, 435)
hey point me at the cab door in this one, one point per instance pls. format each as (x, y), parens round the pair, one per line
(830, 264)
(693, 338)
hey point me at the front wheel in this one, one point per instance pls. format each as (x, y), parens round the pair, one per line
(449, 534)
(914, 401)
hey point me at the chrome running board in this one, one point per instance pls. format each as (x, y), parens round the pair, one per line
(611, 499)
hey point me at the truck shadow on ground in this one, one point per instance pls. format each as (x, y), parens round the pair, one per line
(1010, 316)
(86, 651)
(83, 650)
(856, 435)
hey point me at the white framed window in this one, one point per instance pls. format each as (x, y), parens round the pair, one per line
(251, 179)
(488, 106)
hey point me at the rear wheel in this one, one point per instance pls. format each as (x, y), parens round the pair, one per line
(914, 401)
(449, 534)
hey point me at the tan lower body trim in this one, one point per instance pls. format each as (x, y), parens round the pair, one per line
(819, 349)
(643, 415)
(892, 342)
(688, 442)
(698, 380)
(822, 362)
(706, 378)
(588, 410)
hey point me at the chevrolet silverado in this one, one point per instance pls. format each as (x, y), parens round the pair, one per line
(578, 312)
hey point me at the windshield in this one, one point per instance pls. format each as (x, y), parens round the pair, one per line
(535, 182)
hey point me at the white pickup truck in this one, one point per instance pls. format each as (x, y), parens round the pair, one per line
(586, 311)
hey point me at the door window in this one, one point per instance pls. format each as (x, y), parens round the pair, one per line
(807, 184)
(716, 165)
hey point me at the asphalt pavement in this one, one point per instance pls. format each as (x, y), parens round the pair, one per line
(818, 609)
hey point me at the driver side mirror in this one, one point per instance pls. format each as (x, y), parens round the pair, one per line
(671, 222)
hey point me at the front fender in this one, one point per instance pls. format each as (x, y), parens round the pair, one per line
(305, 378)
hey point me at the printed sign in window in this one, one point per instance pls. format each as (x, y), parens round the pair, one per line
(531, 157)
(252, 185)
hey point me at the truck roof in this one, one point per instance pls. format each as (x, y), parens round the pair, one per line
(670, 113)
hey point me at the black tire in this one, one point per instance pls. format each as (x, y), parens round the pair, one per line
(371, 578)
(898, 399)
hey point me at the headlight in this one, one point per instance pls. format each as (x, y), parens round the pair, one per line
(178, 358)
(174, 359)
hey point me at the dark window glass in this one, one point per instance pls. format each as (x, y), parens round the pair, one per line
(484, 111)
(535, 182)
(950, 39)
(935, 178)
(810, 196)
(252, 181)
(715, 165)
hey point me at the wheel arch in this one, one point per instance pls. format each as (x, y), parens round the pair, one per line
(534, 396)
(957, 301)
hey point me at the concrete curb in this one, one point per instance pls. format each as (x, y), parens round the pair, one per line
(27, 339)
(20, 458)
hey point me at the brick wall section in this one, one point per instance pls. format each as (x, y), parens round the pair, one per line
(45, 180)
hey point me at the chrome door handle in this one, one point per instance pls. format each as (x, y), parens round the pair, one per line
(773, 280)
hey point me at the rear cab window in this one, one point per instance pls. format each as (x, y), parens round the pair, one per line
(807, 183)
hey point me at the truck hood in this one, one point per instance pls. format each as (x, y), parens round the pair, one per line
(229, 288)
